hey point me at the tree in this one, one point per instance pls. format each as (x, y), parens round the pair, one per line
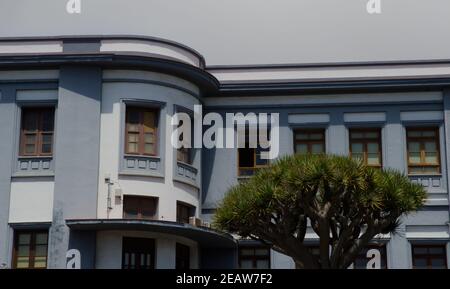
(345, 202)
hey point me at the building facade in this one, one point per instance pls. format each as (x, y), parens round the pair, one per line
(89, 178)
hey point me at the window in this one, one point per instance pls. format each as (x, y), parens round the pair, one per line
(309, 141)
(184, 212)
(37, 126)
(429, 257)
(365, 145)
(30, 250)
(185, 153)
(182, 257)
(368, 255)
(140, 134)
(139, 207)
(138, 253)
(423, 150)
(254, 257)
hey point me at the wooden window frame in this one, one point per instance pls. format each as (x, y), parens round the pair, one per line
(309, 142)
(141, 134)
(139, 209)
(422, 140)
(32, 250)
(38, 133)
(365, 142)
(254, 258)
(191, 209)
(428, 257)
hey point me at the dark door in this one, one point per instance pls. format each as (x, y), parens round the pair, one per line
(182, 257)
(138, 253)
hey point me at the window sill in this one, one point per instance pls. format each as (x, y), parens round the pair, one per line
(187, 174)
(425, 175)
(131, 173)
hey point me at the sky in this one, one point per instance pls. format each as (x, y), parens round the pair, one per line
(239, 32)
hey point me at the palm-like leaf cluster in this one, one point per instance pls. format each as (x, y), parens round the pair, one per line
(343, 201)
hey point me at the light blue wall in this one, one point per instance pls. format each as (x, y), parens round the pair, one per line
(77, 148)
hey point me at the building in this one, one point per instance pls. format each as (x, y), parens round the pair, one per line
(87, 167)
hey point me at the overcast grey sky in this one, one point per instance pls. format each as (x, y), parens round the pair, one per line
(252, 31)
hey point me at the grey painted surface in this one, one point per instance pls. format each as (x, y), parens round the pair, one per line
(76, 154)
(7, 115)
(85, 242)
(228, 32)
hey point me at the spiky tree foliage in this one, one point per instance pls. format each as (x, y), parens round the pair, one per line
(345, 202)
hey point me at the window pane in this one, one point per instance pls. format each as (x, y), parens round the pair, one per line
(373, 159)
(41, 250)
(262, 264)
(133, 137)
(47, 120)
(30, 138)
(246, 264)
(23, 250)
(317, 148)
(149, 148)
(301, 148)
(23, 262)
(149, 137)
(431, 158)
(371, 134)
(40, 262)
(133, 128)
(41, 238)
(356, 135)
(316, 136)
(414, 133)
(24, 239)
(357, 148)
(373, 147)
(133, 147)
(438, 263)
(149, 121)
(436, 250)
(428, 133)
(47, 138)
(247, 252)
(262, 252)
(420, 263)
(301, 136)
(46, 148)
(430, 146)
(30, 120)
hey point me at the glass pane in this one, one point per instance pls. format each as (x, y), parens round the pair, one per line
(436, 250)
(431, 158)
(373, 159)
(247, 252)
(132, 147)
(41, 238)
(149, 148)
(372, 134)
(133, 137)
(24, 239)
(316, 136)
(47, 138)
(40, 262)
(262, 264)
(301, 148)
(301, 136)
(356, 135)
(430, 170)
(430, 146)
(414, 133)
(262, 252)
(260, 161)
(125, 259)
(414, 157)
(41, 250)
(357, 156)
(23, 250)
(317, 148)
(149, 121)
(438, 263)
(30, 138)
(149, 138)
(246, 264)
(420, 263)
(47, 120)
(372, 147)
(23, 262)
(132, 116)
(428, 133)
(46, 148)
(30, 121)
(357, 148)
(133, 128)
